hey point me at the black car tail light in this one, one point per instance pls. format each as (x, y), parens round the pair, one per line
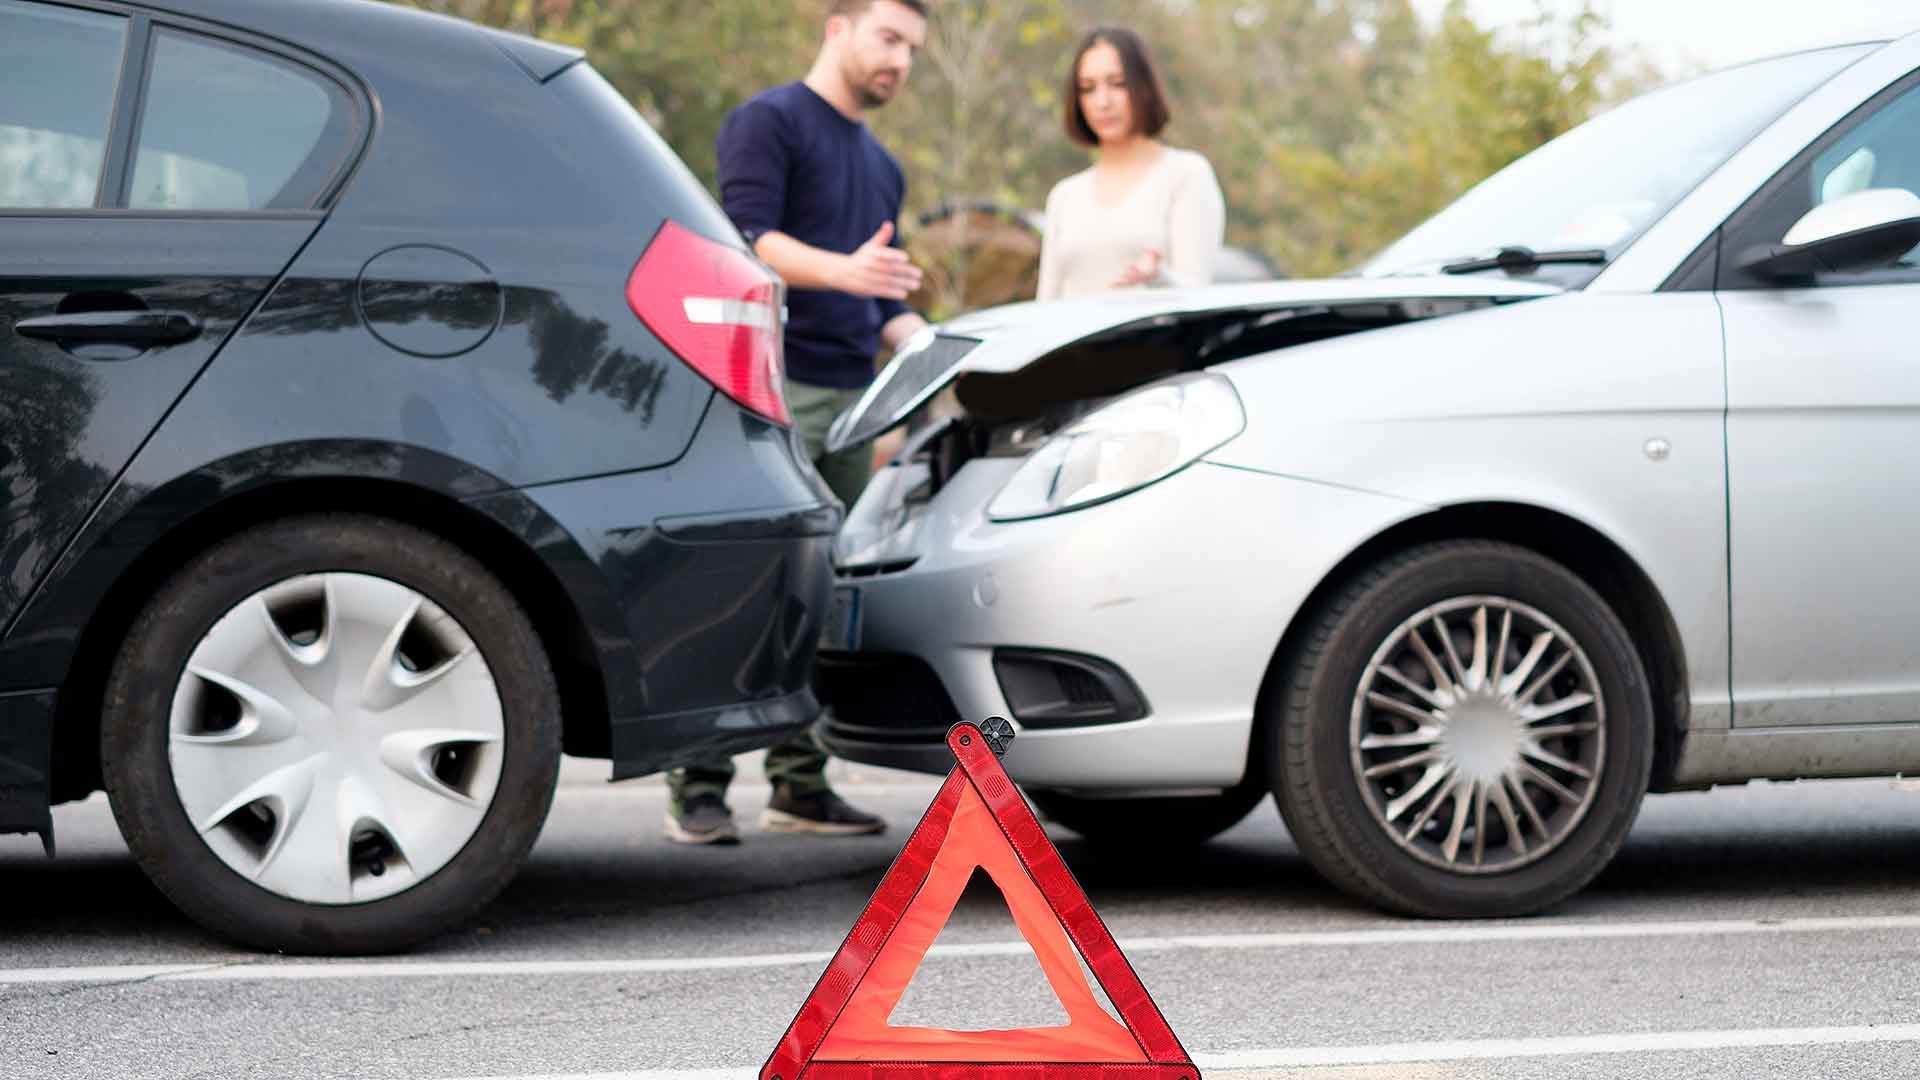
(719, 310)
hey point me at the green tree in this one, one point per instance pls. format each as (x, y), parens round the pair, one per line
(1471, 104)
(1334, 125)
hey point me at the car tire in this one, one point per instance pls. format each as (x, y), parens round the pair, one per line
(359, 698)
(1516, 740)
(1159, 821)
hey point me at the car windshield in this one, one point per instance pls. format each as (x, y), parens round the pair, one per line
(1598, 187)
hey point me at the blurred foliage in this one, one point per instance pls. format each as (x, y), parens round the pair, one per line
(1334, 125)
(974, 256)
(1468, 105)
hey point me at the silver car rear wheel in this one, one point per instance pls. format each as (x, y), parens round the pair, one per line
(1478, 732)
(336, 738)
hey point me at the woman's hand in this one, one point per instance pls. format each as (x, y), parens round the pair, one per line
(1141, 271)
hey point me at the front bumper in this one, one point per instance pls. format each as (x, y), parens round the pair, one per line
(1186, 587)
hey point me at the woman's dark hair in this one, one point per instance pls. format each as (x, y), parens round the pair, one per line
(1149, 101)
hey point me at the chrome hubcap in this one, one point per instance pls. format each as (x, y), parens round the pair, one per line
(336, 738)
(1478, 734)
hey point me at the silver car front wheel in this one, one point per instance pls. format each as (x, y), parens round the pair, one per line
(1465, 730)
(1479, 731)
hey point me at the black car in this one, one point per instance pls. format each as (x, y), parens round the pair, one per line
(384, 409)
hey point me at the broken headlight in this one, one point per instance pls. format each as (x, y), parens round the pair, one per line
(1136, 440)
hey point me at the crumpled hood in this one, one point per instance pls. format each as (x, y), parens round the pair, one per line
(1006, 339)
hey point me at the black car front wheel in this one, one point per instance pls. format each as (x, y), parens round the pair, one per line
(1467, 732)
(331, 734)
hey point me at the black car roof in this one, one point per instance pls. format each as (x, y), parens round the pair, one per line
(314, 23)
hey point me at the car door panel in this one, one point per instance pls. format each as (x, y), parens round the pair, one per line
(72, 414)
(107, 316)
(1823, 424)
(1822, 434)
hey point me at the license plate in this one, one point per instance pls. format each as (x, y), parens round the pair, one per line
(840, 630)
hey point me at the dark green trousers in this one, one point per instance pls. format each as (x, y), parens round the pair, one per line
(798, 763)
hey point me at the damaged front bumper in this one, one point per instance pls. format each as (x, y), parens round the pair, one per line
(1175, 596)
(1127, 630)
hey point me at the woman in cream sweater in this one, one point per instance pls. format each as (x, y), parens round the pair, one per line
(1145, 214)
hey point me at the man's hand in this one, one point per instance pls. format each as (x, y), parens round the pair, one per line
(1140, 271)
(878, 270)
(900, 328)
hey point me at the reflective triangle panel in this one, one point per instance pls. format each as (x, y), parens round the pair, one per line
(977, 820)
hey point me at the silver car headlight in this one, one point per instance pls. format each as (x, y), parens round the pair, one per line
(1123, 446)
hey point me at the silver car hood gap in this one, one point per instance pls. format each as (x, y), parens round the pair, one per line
(1007, 340)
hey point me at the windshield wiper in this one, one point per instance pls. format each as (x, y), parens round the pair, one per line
(1517, 259)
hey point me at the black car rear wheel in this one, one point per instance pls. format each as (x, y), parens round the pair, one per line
(331, 734)
(1466, 731)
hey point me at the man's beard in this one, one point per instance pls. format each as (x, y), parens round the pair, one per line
(869, 94)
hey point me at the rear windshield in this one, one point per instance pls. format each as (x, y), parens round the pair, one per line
(642, 161)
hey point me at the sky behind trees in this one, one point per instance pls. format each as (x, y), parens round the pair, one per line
(1695, 34)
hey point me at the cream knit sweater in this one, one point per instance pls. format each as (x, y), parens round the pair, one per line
(1175, 208)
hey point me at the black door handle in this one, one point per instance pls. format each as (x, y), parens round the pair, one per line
(143, 328)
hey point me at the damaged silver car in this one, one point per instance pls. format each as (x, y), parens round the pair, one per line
(1595, 484)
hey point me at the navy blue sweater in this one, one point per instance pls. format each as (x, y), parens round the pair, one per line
(791, 163)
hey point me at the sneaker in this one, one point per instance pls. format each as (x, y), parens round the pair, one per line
(702, 819)
(822, 813)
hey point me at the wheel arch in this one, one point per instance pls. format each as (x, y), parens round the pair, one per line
(562, 627)
(1585, 551)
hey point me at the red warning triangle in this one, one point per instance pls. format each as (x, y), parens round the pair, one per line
(978, 820)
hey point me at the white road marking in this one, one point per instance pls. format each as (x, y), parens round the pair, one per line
(1642, 1042)
(1414, 934)
(744, 1073)
(643, 1074)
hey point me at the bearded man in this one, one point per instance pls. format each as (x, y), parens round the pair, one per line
(817, 196)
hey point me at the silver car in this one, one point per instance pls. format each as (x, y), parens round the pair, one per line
(1600, 482)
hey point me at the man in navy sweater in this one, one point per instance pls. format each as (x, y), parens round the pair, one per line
(817, 196)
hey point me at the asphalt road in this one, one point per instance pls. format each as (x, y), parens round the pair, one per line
(1769, 930)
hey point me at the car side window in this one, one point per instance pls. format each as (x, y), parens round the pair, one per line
(225, 127)
(1878, 147)
(59, 74)
(1882, 152)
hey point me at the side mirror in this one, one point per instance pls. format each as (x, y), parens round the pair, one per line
(1866, 230)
